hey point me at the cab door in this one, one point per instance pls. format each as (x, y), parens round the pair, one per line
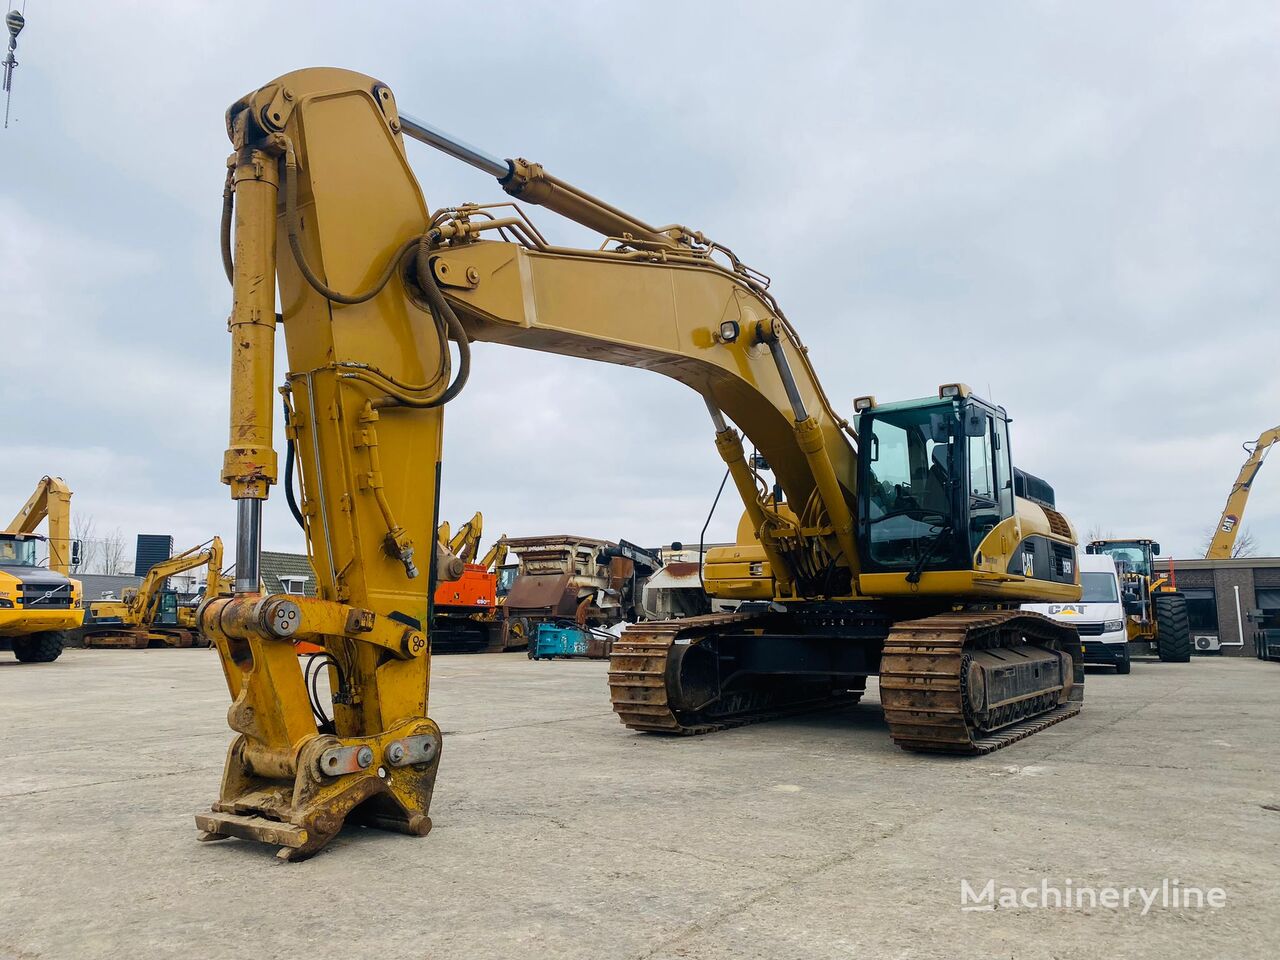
(167, 610)
(989, 475)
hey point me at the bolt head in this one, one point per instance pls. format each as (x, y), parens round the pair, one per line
(395, 752)
(364, 756)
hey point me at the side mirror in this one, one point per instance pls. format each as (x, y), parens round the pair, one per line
(1155, 549)
(77, 552)
(975, 424)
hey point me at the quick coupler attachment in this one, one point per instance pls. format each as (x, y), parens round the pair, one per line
(384, 781)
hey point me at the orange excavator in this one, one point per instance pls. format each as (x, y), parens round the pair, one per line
(465, 611)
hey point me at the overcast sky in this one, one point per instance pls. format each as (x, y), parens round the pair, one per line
(1074, 207)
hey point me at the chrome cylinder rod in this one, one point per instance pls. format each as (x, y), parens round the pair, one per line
(717, 417)
(435, 137)
(788, 381)
(248, 545)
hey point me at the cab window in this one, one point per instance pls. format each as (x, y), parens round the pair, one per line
(990, 474)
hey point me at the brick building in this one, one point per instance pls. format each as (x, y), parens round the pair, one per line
(1226, 600)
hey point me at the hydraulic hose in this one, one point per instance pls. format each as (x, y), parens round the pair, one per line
(295, 243)
(421, 396)
(290, 453)
(410, 396)
(228, 195)
(440, 308)
(446, 320)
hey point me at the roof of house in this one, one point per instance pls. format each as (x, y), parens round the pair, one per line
(277, 565)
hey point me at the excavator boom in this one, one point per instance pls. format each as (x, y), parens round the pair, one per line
(496, 555)
(51, 499)
(1223, 542)
(466, 541)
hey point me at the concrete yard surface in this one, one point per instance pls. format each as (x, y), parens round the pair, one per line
(558, 833)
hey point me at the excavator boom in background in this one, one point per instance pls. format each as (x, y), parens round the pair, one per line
(496, 555)
(38, 605)
(465, 544)
(1222, 545)
(148, 615)
(900, 547)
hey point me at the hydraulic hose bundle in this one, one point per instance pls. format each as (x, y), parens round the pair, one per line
(447, 323)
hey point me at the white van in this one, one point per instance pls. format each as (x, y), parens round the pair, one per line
(1099, 616)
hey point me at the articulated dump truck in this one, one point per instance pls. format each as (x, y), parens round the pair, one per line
(39, 605)
(895, 547)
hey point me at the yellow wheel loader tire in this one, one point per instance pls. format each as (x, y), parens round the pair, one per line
(1173, 628)
(38, 647)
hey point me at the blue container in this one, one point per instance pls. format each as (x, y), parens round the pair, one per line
(554, 640)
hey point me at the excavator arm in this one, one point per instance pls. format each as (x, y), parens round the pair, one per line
(496, 555)
(51, 499)
(466, 542)
(1224, 535)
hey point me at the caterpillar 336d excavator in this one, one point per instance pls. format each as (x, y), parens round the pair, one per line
(900, 548)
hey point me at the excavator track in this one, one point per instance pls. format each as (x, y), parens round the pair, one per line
(926, 671)
(641, 684)
(925, 674)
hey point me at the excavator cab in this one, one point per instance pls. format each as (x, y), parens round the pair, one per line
(166, 609)
(935, 478)
(1135, 562)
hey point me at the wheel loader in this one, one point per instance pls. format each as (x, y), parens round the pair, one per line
(1155, 612)
(896, 547)
(39, 605)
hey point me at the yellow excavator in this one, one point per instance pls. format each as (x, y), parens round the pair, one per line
(38, 605)
(1224, 536)
(898, 547)
(148, 615)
